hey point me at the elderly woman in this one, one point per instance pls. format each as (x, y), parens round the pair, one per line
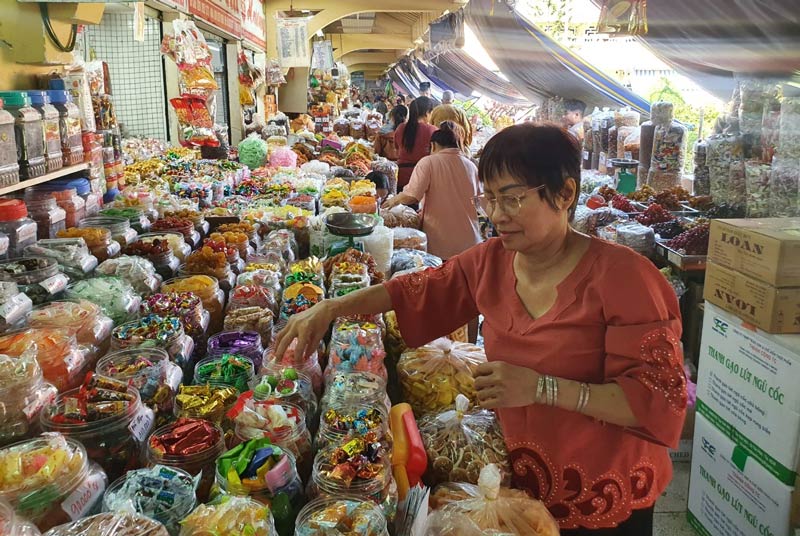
(582, 339)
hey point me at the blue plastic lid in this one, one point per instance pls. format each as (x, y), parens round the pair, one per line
(39, 98)
(110, 195)
(59, 96)
(81, 185)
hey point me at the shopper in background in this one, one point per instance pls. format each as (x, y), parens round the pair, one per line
(384, 143)
(444, 184)
(447, 112)
(413, 139)
(380, 106)
(573, 117)
(401, 99)
(381, 182)
(582, 339)
(425, 89)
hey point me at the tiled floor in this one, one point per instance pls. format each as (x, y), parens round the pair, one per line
(670, 517)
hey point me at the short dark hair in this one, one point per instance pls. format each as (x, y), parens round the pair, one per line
(424, 86)
(379, 179)
(449, 135)
(575, 105)
(534, 154)
(399, 114)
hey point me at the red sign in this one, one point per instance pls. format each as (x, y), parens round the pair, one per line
(224, 14)
(254, 27)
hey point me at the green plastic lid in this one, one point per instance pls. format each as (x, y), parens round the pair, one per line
(15, 99)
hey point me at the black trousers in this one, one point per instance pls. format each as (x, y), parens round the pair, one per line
(639, 524)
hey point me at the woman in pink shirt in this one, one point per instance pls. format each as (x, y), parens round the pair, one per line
(413, 139)
(582, 338)
(445, 184)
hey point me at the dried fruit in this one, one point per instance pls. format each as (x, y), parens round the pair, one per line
(668, 229)
(607, 192)
(655, 213)
(692, 242)
(620, 202)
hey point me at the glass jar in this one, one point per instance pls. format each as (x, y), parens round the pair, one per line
(13, 525)
(15, 224)
(9, 167)
(114, 295)
(344, 511)
(97, 239)
(63, 361)
(114, 442)
(73, 205)
(71, 254)
(71, 489)
(153, 331)
(49, 217)
(23, 395)
(91, 327)
(178, 445)
(135, 216)
(244, 343)
(207, 288)
(52, 134)
(151, 372)
(38, 277)
(120, 228)
(29, 131)
(176, 242)
(69, 126)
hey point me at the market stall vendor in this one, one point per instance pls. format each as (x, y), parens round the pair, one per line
(582, 339)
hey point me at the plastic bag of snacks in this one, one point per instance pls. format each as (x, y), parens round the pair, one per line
(229, 516)
(111, 524)
(487, 509)
(433, 375)
(410, 239)
(409, 259)
(460, 442)
(401, 216)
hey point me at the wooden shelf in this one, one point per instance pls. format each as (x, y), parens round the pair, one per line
(63, 172)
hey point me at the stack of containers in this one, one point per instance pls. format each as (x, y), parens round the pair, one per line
(29, 134)
(747, 433)
(9, 167)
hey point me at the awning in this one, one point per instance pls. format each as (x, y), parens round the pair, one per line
(537, 65)
(473, 76)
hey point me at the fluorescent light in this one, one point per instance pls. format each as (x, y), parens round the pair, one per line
(305, 11)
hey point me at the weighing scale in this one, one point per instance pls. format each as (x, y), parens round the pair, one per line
(626, 180)
(350, 226)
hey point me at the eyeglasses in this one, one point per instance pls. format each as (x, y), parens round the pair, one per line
(510, 204)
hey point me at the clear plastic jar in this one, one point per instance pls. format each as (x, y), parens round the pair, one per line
(244, 343)
(71, 254)
(29, 131)
(165, 263)
(15, 307)
(97, 239)
(73, 204)
(63, 361)
(52, 133)
(227, 370)
(13, 525)
(114, 442)
(4, 243)
(137, 271)
(114, 295)
(92, 328)
(23, 395)
(120, 228)
(334, 434)
(345, 388)
(38, 277)
(207, 288)
(69, 125)
(195, 455)
(15, 224)
(49, 217)
(309, 366)
(224, 276)
(135, 216)
(185, 227)
(71, 489)
(345, 510)
(178, 345)
(177, 244)
(185, 306)
(9, 167)
(151, 372)
(298, 391)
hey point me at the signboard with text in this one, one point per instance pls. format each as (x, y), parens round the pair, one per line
(254, 25)
(224, 14)
(293, 42)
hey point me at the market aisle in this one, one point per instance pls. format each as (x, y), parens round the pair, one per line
(670, 517)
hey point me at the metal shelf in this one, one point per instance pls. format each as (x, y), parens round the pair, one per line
(63, 172)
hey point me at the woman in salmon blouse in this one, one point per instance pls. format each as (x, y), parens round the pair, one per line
(413, 139)
(582, 339)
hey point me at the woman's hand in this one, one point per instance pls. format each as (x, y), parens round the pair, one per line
(391, 202)
(500, 385)
(308, 327)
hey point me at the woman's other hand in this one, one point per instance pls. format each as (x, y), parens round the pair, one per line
(390, 202)
(308, 327)
(500, 385)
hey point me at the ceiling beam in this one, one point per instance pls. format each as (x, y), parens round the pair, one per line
(347, 43)
(367, 67)
(383, 58)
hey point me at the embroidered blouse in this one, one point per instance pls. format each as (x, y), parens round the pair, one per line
(616, 319)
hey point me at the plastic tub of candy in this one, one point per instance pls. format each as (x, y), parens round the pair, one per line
(153, 331)
(159, 253)
(63, 361)
(38, 277)
(113, 294)
(49, 217)
(15, 307)
(176, 242)
(151, 372)
(71, 253)
(165, 494)
(316, 517)
(207, 288)
(243, 343)
(17, 226)
(205, 261)
(136, 216)
(356, 346)
(351, 388)
(71, 488)
(225, 370)
(308, 366)
(192, 445)
(346, 420)
(13, 525)
(120, 228)
(86, 319)
(136, 271)
(205, 402)
(287, 385)
(112, 431)
(73, 204)
(98, 240)
(23, 395)
(247, 515)
(251, 319)
(185, 306)
(178, 225)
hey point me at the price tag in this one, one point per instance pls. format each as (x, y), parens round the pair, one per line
(586, 155)
(80, 501)
(140, 425)
(26, 232)
(602, 163)
(55, 284)
(628, 155)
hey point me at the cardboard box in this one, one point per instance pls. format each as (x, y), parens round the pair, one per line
(732, 495)
(775, 310)
(767, 249)
(747, 387)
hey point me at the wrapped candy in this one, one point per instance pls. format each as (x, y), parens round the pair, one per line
(13, 525)
(343, 421)
(229, 516)
(308, 270)
(161, 493)
(114, 295)
(298, 298)
(207, 289)
(71, 253)
(350, 388)
(722, 152)
(488, 509)
(242, 343)
(226, 370)
(185, 306)
(205, 402)
(154, 331)
(261, 277)
(356, 346)
(111, 524)
(137, 271)
(252, 296)
(460, 442)
(251, 319)
(287, 385)
(62, 361)
(40, 476)
(38, 277)
(340, 517)
(23, 394)
(433, 375)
